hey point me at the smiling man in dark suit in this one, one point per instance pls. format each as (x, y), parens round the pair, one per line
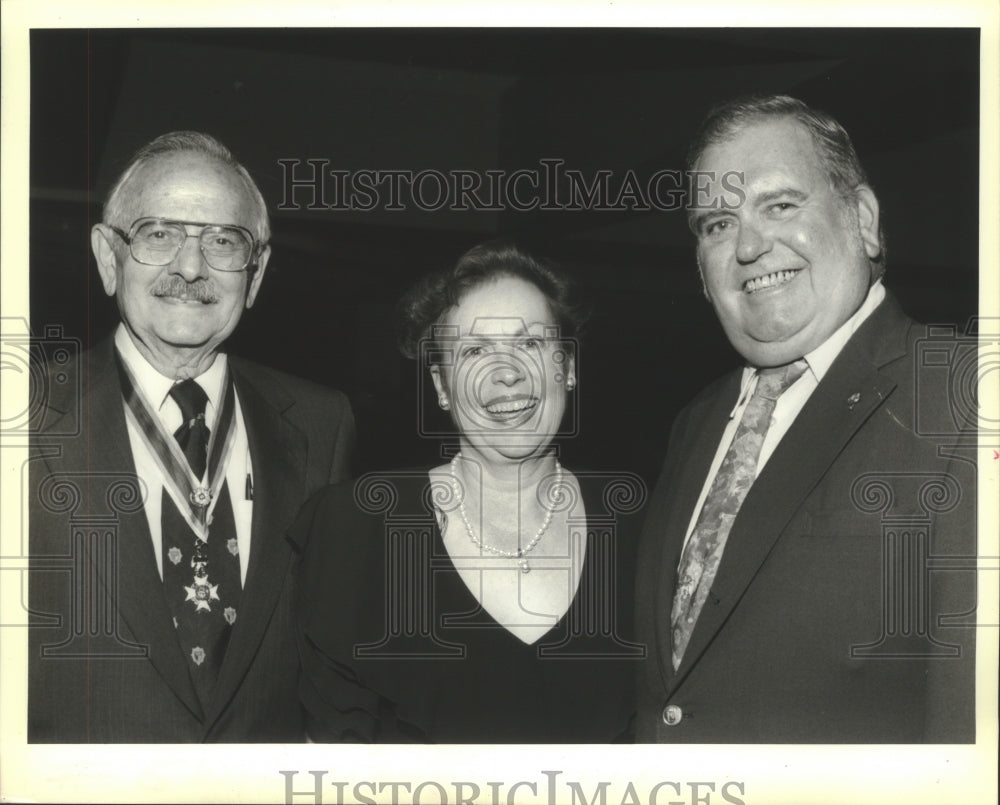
(161, 591)
(807, 564)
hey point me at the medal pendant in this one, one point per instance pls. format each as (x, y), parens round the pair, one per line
(200, 497)
(201, 592)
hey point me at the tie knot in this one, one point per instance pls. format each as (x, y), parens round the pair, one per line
(190, 397)
(773, 382)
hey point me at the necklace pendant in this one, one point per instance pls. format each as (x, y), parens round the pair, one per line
(555, 495)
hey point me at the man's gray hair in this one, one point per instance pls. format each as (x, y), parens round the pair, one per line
(176, 142)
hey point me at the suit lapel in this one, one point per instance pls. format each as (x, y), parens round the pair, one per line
(104, 450)
(278, 453)
(827, 422)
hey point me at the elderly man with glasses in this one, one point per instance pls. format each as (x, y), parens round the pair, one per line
(161, 591)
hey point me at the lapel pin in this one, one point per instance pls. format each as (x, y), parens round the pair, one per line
(853, 400)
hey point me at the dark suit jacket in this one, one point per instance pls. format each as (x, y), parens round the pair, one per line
(843, 604)
(104, 662)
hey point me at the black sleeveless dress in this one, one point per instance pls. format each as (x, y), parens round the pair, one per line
(395, 648)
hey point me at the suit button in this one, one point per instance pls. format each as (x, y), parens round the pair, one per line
(672, 715)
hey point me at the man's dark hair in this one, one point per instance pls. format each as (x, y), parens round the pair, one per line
(833, 143)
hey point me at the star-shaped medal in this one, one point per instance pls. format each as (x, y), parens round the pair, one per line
(201, 593)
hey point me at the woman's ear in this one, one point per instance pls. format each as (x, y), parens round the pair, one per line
(439, 385)
(570, 373)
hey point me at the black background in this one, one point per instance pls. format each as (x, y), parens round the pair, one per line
(480, 100)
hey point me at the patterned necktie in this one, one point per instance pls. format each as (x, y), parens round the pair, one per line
(736, 474)
(202, 580)
(192, 435)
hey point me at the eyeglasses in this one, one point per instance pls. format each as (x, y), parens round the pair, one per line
(158, 241)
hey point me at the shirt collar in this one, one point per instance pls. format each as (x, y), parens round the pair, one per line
(821, 359)
(154, 386)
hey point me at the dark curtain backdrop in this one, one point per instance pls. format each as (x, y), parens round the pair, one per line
(494, 100)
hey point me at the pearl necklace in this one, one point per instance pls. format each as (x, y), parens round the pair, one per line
(521, 553)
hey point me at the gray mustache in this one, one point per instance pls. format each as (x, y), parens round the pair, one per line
(178, 288)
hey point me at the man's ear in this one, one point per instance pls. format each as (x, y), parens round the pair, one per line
(258, 276)
(102, 244)
(701, 275)
(868, 220)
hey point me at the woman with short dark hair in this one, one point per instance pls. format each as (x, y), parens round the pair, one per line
(480, 600)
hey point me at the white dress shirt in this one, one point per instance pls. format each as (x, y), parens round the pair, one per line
(155, 388)
(792, 401)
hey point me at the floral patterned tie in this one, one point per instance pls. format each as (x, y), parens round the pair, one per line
(736, 474)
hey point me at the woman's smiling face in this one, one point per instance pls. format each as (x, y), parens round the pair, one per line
(506, 380)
